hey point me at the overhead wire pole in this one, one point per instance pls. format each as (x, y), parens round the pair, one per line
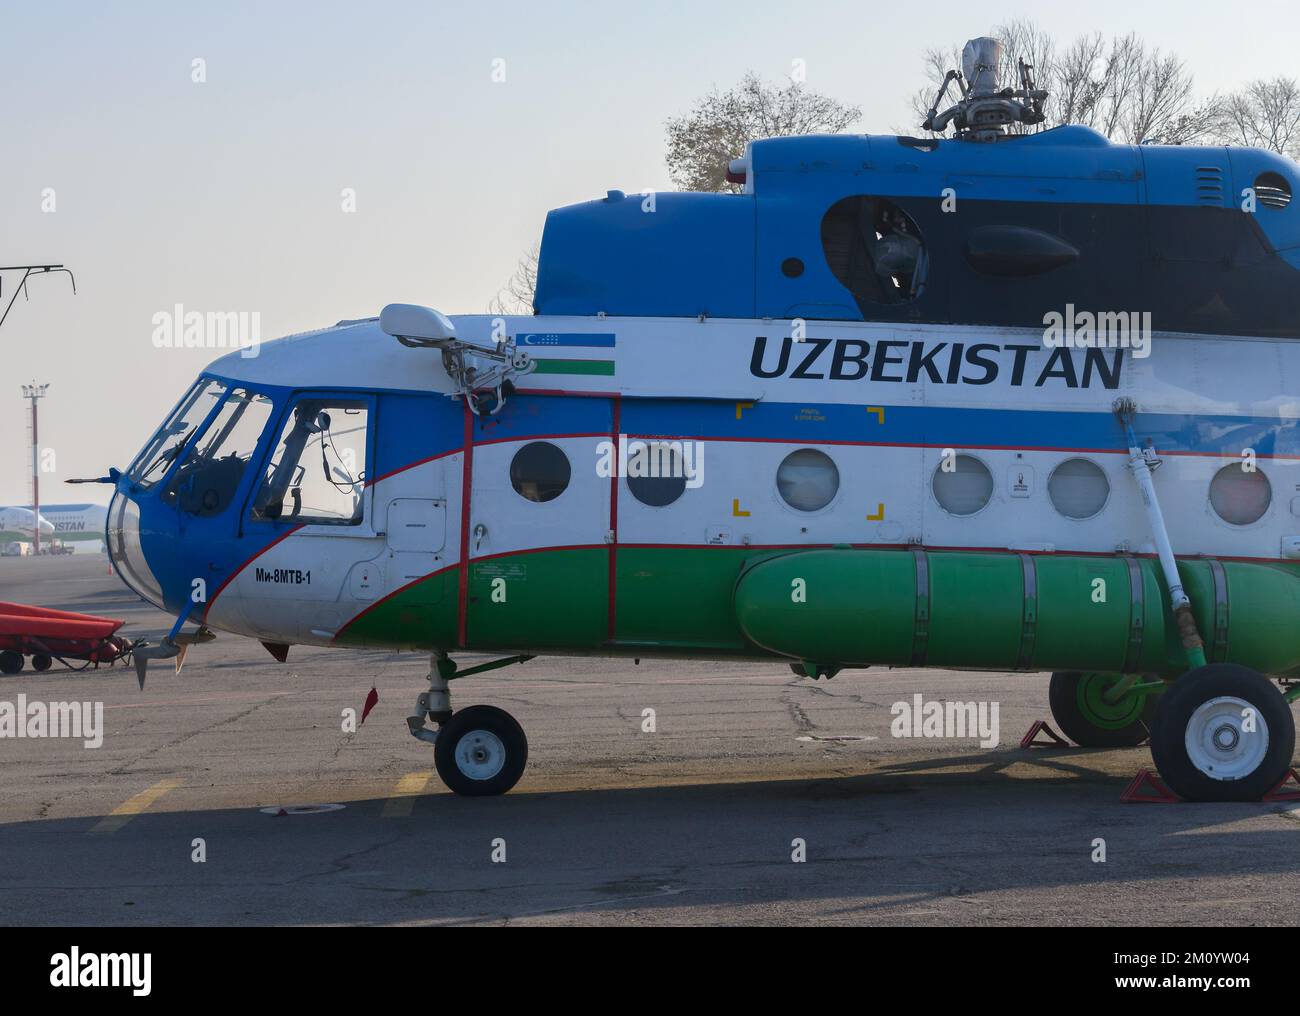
(33, 392)
(28, 271)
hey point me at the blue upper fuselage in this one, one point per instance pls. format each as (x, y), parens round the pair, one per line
(1004, 232)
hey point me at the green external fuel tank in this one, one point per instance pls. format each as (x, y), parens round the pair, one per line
(1010, 611)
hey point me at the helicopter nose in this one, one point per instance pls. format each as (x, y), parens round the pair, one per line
(126, 550)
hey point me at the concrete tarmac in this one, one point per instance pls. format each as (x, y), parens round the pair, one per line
(697, 822)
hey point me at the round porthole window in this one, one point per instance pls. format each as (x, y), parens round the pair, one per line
(792, 268)
(1078, 489)
(807, 480)
(540, 471)
(963, 489)
(656, 474)
(1239, 496)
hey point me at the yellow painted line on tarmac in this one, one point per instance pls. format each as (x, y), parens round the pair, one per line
(402, 799)
(133, 806)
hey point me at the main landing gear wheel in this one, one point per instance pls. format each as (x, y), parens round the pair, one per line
(1223, 733)
(41, 662)
(481, 751)
(10, 662)
(1081, 710)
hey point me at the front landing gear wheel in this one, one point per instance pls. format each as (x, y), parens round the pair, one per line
(481, 751)
(1223, 732)
(1080, 709)
(10, 662)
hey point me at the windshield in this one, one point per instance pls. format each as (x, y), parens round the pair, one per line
(214, 465)
(166, 445)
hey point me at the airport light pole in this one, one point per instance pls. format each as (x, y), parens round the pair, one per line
(32, 392)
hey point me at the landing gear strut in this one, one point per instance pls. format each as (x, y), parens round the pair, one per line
(478, 752)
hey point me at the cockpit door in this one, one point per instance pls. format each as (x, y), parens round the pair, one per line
(315, 512)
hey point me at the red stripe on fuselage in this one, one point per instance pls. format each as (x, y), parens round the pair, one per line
(613, 519)
(467, 476)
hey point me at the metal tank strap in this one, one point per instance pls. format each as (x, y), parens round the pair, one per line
(1136, 617)
(921, 625)
(1029, 618)
(1219, 641)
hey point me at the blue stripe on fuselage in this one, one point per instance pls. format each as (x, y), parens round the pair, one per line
(948, 426)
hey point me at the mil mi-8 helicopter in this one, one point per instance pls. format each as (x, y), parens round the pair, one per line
(990, 400)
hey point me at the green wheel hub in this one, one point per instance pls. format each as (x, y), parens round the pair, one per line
(1091, 697)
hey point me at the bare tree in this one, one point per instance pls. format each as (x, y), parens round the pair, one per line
(1077, 88)
(1023, 40)
(516, 296)
(703, 141)
(937, 63)
(1159, 105)
(1265, 114)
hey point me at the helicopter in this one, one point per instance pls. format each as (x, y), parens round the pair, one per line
(1000, 399)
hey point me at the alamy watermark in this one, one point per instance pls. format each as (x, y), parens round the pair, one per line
(1101, 330)
(24, 718)
(75, 969)
(652, 458)
(946, 719)
(179, 328)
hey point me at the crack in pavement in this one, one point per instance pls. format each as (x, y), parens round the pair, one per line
(123, 769)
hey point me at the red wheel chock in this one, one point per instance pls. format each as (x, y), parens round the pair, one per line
(1041, 727)
(1287, 790)
(1148, 788)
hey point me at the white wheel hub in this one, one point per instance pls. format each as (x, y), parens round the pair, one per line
(480, 754)
(1226, 738)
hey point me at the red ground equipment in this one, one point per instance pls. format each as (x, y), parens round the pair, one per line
(47, 635)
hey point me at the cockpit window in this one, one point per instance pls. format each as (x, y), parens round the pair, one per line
(317, 474)
(170, 440)
(875, 250)
(210, 475)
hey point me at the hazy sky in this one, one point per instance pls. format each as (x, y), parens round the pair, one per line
(225, 195)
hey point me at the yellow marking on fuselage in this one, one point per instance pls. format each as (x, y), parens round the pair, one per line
(736, 509)
(879, 516)
(740, 406)
(879, 411)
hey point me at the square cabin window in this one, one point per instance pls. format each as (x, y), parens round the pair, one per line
(317, 473)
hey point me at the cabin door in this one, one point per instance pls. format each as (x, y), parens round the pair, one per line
(539, 535)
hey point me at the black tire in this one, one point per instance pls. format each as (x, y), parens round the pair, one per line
(10, 662)
(1126, 726)
(480, 729)
(42, 662)
(1178, 708)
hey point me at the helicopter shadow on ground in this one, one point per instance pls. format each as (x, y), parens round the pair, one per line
(905, 838)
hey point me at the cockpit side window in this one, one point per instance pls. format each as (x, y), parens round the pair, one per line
(317, 473)
(875, 250)
(209, 477)
(167, 444)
